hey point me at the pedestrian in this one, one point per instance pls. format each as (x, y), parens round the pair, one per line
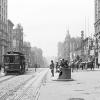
(66, 65)
(56, 66)
(63, 63)
(52, 68)
(0, 66)
(72, 65)
(60, 71)
(35, 67)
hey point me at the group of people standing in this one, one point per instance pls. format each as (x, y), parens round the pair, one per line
(59, 65)
(74, 65)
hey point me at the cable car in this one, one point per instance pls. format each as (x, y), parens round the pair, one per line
(14, 62)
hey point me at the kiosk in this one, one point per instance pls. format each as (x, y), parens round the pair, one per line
(65, 74)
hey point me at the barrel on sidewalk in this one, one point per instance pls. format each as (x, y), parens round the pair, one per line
(66, 73)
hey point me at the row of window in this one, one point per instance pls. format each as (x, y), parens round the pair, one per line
(3, 2)
(97, 9)
(4, 19)
(3, 12)
(3, 27)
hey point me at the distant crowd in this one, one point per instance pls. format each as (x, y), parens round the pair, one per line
(74, 65)
(59, 65)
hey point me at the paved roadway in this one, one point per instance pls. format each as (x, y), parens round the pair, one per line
(86, 86)
(21, 87)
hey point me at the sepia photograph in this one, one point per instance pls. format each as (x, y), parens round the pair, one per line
(49, 49)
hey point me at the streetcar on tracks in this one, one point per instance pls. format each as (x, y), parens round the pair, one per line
(14, 62)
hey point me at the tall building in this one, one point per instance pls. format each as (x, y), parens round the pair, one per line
(27, 52)
(18, 38)
(97, 31)
(67, 46)
(10, 35)
(3, 28)
(64, 48)
(60, 50)
(97, 10)
(97, 18)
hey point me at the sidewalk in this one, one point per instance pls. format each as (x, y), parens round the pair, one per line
(86, 86)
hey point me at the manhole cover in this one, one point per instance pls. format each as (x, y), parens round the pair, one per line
(76, 99)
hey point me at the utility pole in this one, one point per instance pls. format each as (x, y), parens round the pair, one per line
(82, 44)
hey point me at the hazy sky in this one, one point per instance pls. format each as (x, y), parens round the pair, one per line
(45, 21)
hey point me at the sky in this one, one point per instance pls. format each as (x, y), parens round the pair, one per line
(45, 22)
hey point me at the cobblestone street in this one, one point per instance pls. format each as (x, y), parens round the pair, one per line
(85, 86)
(19, 87)
(49, 49)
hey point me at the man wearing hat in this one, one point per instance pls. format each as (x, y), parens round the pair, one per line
(52, 68)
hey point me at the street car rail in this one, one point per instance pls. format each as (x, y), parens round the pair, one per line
(5, 78)
(12, 91)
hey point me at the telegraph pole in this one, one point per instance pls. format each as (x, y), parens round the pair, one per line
(82, 44)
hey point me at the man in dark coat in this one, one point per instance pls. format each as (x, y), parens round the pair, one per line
(52, 68)
(0, 66)
(35, 66)
(57, 66)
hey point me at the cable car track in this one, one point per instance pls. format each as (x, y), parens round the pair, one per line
(11, 92)
(5, 78)
(35, 88)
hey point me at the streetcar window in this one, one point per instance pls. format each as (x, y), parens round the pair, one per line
(6, 59)
(17, 59)
(11, 59)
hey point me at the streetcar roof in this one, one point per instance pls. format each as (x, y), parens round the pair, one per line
(11, 54)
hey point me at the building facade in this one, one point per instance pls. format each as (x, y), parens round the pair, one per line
(64, 48)
(27, 52)
(60, 50)
(3, 29)
(10, 33)
(97, 31)
(67, 46)
(18, 38)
